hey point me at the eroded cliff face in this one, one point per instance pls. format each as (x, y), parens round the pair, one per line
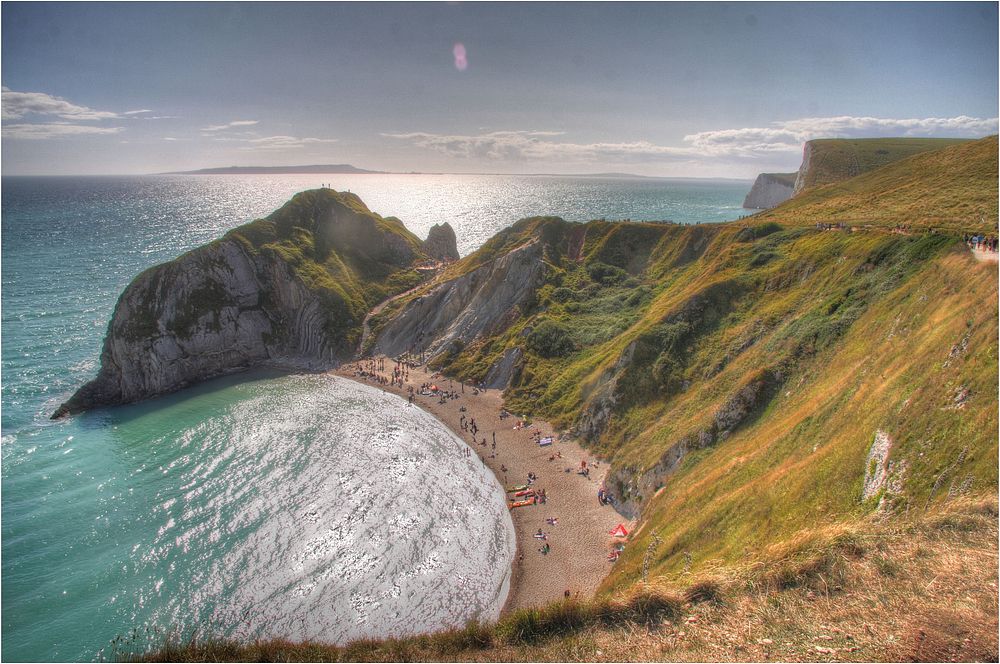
(483, 301)
(215, 310)
(801, 179)
(770, 190)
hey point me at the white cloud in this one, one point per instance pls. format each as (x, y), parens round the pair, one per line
(788, 135)
(144, 110)
(17, 105)
(53, 130)
(282, 142)
(534, 145)
(230, 125)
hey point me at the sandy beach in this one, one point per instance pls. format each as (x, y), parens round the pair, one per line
(579, 542)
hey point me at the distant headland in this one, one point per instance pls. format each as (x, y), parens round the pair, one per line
(337, 169)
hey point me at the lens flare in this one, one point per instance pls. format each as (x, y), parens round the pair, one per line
(458, 50)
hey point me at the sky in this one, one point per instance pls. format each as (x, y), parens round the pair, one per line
(660, 89)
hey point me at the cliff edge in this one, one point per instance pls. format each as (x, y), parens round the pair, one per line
(770, 190)
(829, 160)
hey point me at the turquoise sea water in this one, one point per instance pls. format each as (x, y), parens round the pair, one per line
(258, 504)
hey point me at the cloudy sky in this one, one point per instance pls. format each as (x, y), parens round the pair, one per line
(669, 89)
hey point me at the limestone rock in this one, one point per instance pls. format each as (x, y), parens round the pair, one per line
(876, 465)
(215, 310)
(458, 311)
(441, 243)
(770, 190)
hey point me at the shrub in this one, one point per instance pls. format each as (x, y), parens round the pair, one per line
(668, 373)
(605, 274)
(550, 339)
(708, 590)
(563, 295)
(751, 233)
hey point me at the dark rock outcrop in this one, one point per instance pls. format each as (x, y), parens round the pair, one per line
(441, 243)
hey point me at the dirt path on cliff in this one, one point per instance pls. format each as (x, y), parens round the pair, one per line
(366, 329)
(580, 542)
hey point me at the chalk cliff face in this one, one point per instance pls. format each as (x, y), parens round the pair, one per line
(291, 289)
(802, 178)
(215, 310)
(480, 302)
(770, 190)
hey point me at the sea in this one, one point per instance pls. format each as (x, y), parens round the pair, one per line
(256, 505)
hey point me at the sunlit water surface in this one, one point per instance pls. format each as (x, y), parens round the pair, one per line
(255, 505)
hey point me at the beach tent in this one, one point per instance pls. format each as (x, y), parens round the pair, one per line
(545, 441)
(619, 531)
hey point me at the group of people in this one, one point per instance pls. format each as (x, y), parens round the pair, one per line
(981, 242)
(540, 535)
(371, 370)
(831, 227)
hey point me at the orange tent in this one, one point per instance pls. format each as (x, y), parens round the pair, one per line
(619, 531)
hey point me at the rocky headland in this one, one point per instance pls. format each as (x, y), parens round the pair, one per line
(289, 290)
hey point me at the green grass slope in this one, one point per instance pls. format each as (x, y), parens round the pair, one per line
(835, 159)
(350, 256)
(952, 189)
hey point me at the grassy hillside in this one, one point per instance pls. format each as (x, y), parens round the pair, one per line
(738, 375)
(836, 159)
(829, 337)
(953, 189)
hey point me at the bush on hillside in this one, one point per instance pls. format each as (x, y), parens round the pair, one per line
(606, 275)
(550, 339)
(562, 295)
